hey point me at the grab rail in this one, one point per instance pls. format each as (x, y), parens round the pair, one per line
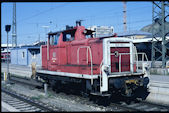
(144, 56)
(101, 72)
(88, 49)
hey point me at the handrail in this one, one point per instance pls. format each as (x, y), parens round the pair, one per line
(101, 72)
(144, 56)
(48, 50)
(88, 48)
(136, 55)
(120, 63)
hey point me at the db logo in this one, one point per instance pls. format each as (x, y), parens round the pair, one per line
(53, 59)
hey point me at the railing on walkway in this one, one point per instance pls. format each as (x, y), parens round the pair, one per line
(137, 58)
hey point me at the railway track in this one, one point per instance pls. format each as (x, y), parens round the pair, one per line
(115, 106)
(23, 103)
(27, 81)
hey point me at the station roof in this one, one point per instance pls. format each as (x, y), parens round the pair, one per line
(147, 39)
(26, 47)
(5, 45)
(132, 33)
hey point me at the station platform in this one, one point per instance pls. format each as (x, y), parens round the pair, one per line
(159, 78)
(18, 67)
(20, 70)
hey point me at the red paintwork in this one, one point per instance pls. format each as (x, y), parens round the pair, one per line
(125, 59)
(65, 59)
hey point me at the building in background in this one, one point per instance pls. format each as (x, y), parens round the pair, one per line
(4, 53)
(4, 47)
(26, 55)
(101, 31)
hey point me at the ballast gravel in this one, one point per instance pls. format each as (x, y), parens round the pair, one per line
(58, 100)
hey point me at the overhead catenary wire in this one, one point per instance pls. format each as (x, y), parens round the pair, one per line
(109, 13)
(102, 16)
(113, 14)
(39, 13)
(86, 17)
(119, 24)
(89, 16)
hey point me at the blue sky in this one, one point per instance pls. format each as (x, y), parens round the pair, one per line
(31, 16)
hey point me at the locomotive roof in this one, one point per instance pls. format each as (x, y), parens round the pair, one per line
(54, 33)
(70, 30)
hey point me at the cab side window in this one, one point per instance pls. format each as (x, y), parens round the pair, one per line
(54, 39)
(69, 35)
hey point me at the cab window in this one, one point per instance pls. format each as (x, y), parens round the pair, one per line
(69, 35)
(54, 39)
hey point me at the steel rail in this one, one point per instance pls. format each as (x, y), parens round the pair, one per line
(123, 107)
(27, 81)
(38, 104)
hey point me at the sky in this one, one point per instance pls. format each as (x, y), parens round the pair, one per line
(32, 17)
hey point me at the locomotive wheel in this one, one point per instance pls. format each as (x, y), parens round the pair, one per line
(92, 98)
(105, 101)
(55, 86)
(100, 100)
(128, 101)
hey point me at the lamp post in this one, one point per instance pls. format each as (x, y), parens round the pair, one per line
(7, 29)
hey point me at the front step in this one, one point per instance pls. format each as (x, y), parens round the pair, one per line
(100, 94)
(100, 99)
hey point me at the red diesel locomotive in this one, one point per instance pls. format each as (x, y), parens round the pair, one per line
(99, 66)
